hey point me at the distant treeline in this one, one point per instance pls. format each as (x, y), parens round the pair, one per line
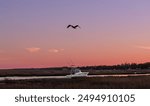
(124, 66)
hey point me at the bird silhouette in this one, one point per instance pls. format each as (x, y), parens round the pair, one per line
(74, 27)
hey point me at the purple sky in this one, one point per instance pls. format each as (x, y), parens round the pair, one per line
(33, 32)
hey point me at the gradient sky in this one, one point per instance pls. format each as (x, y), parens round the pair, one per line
(33, 32)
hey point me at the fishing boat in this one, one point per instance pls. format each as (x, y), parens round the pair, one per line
(76, 72)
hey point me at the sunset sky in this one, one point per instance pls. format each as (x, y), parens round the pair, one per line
(33, 33)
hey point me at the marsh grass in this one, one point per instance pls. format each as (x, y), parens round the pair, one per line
(132, 82)
(140, 82)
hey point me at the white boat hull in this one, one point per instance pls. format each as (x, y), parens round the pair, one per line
(80, 74)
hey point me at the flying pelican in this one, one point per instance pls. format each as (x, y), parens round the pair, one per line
(74, 27)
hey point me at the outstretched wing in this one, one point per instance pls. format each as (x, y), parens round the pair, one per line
(77, 26)
(69, 26)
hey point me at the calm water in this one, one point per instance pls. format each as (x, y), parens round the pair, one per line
(46, 77)
(32, 77)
